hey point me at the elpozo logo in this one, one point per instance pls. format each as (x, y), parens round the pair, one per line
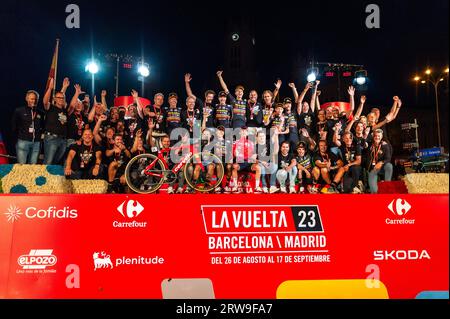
(399, 207)
(102, 260)
(130, 209)
(37, 261)
(14, 213)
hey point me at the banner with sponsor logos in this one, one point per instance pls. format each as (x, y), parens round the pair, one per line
(216, 246)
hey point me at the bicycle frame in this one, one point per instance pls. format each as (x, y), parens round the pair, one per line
(175, 170)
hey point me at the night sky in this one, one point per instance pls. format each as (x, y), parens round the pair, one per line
(180, 37)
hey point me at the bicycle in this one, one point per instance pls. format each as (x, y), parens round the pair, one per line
(146, 173)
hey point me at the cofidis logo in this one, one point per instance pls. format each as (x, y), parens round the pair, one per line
(14, 213)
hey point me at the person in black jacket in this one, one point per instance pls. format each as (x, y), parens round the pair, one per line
(27, 124)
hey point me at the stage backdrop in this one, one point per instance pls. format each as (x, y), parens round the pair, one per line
(217, 246)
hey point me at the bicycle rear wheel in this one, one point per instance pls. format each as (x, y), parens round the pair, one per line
(204, 183)
(141, 183)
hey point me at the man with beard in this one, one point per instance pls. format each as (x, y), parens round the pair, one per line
(84, 159)
(119, 157)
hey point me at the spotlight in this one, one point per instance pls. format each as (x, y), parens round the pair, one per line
(143, 69)
(92, 67)
(312, 74)
(416, 78)
(428, 72)
(361, 77)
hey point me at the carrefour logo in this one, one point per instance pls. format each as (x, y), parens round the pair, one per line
(399, 207)
(14, 213)
(130, 209)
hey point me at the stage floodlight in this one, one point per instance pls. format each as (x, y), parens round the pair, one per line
(144, 69)
(92, 67)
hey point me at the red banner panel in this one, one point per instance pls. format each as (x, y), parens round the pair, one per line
(227, 247)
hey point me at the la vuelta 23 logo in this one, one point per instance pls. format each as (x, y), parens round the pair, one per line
(101, 260)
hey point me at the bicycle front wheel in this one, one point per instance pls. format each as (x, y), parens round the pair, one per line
(204, 172)
(141, 183)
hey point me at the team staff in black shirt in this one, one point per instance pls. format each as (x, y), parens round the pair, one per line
(27, 123)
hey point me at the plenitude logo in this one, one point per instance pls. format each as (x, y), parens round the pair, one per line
(102, 260)
(14, 213)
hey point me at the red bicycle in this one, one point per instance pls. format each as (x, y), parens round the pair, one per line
(146, 173)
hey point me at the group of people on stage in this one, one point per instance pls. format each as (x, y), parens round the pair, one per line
(292, 146)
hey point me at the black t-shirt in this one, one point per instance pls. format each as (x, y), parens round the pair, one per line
(75, 126)
(284, 160)
(56, 121)
(158, 119)
(132, 126)
(222, 147)
(191, 120)
(331, 131)
(28, 123)
(321, 127)
(307, 120)
(349, 153)
(85, 156)
(328, 157)
(380, 153)
(206, 108)
(254, 114)
(223, 115)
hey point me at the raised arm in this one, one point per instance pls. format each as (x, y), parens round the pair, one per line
(105, 105)
(48, 94)
(277, 89)
(222, 82)
(75, 99)
(302, 96)
(97, 137)
(317, 99)
(187, 80)
(351, 93)
(65, 85)
(294, 92)
(138, 103)
(91, 115)
(313, 97)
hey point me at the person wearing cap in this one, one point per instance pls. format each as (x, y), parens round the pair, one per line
(238, 104)
(206, 107)
(291, 123)
(173, 114)
(254, 111)
(304, 167)
(223, 111)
